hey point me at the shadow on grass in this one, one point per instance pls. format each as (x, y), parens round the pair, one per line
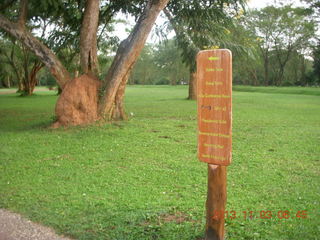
(312, 91)
(173, 99)
(26, 113)
(142, 226)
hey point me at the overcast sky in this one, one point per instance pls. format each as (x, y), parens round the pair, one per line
(263, 3)
(122, 34)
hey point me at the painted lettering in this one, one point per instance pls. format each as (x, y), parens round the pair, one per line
(216, 146)
(215, 134)
(213, 157)
(214, 83)
(214, 121)
(213, 96)
(214, 69)
(212, 58)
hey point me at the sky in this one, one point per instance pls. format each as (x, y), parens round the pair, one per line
(122, 34)
(263, 3)
(259, 3)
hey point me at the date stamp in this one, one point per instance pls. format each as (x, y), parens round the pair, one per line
(263, 214)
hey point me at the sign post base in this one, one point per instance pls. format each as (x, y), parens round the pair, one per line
(216, 201)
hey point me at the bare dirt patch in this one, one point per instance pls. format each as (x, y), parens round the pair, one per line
(178, 217)
(14, 227)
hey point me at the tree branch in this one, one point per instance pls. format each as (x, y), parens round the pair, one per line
(179, 31)
(88, 37)
(127, 55)
(6, 5)
(38, 48)
(23, 13)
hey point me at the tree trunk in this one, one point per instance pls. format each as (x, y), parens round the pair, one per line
(125, 58)
(20, 86)
(281, 76)
(119, 112)
(39, 49)
(13, 64)
(26, 80)
(303, 72)
(23, 13)
(88, 38)
(33, 77)
(193, 86)
(78, 102)
(5, 82)
(8, 82)
(253, 73)
(266, 71)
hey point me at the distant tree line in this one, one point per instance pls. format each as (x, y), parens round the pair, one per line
(160, 64)
(284, 47)
(273, 46)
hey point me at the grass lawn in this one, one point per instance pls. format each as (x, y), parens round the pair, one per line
(141, 179)
(315, 91)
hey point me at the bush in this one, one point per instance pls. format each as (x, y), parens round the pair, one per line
(163, 81)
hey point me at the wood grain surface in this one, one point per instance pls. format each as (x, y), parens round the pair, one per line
(214, 87)
(216, 202)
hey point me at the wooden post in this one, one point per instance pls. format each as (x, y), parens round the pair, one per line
(214, 88)
(216, 200)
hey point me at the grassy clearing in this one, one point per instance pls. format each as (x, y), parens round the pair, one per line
(315, 91)
(141, 179)
(37, 91)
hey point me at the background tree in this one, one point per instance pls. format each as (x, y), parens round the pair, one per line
(145, 71)
(79, 110)
(24, 65)
(160, 64)
(247, 64)
(168, 59)
(281, 31)
(200, 25)
(316, 64)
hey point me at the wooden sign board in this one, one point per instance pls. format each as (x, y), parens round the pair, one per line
(214, 96)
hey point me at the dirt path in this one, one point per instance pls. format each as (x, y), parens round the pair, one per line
(7, 92)
(15, 90)
(15, 227)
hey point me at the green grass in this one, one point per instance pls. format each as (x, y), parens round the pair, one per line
(315, 91)
(141, 179)
(38, 91)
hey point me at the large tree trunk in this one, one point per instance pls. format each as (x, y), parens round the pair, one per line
(88, 38)
(39, 49)
(193, 86)
(78, 102)
(124, 60)
(119, 111)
